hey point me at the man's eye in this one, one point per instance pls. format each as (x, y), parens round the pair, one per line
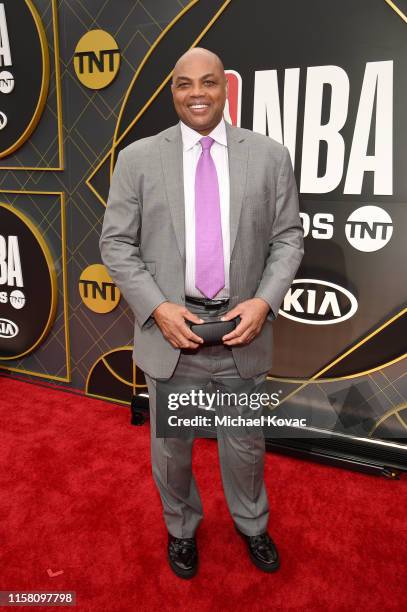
(209, 83)
(182, 84)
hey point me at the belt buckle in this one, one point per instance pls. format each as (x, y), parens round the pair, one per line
(207, 303)
(210, 304)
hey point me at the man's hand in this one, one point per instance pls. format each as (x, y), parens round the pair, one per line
(170, 318)
(253, 313)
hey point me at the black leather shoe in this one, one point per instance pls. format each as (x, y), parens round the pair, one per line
(183, 556)
(262, 550)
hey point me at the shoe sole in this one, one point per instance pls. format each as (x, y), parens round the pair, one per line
(186, 574)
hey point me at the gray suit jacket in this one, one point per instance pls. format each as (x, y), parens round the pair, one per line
(143, 237)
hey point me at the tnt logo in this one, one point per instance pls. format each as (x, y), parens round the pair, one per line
(96, 59)
(369, 228)
(6, 82)
(17, 299)
(233, 106)
(97, 290)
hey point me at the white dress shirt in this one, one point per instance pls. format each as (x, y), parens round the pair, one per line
(191, 152)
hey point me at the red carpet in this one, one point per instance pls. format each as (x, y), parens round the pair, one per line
(78, 497)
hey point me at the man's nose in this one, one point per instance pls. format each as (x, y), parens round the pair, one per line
(196, 89)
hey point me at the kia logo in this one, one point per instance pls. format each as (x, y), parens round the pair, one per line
(8, 329)
(318, 302)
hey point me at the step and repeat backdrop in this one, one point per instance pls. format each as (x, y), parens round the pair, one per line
(79, 80)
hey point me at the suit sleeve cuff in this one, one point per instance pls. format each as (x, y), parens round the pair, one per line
(149, 320)
(270, 316)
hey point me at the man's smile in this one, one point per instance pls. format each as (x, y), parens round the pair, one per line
(198, 109)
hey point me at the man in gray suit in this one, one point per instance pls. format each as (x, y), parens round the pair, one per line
(202, 224)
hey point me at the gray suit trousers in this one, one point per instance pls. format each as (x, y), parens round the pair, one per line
(241, 457)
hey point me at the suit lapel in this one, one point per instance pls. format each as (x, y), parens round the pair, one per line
(171, 156)
(238, 151)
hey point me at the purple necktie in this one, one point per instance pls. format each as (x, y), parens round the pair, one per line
(209, 265)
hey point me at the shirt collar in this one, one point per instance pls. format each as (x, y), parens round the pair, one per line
(190, 137)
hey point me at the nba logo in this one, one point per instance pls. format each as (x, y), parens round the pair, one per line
(233, 104)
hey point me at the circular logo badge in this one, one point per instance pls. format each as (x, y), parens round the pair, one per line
(369, 228)
(6, 82)
(17, 299)
(28, 285)
(24, 78)
(96, 59)
(97, 290)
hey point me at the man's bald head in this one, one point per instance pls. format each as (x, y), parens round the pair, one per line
(199, 89)
(197, 54)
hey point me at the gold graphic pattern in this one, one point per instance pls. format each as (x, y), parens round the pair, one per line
(397, 10)
(135, 384)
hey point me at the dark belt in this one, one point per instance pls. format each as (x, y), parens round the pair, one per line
(209, 304)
